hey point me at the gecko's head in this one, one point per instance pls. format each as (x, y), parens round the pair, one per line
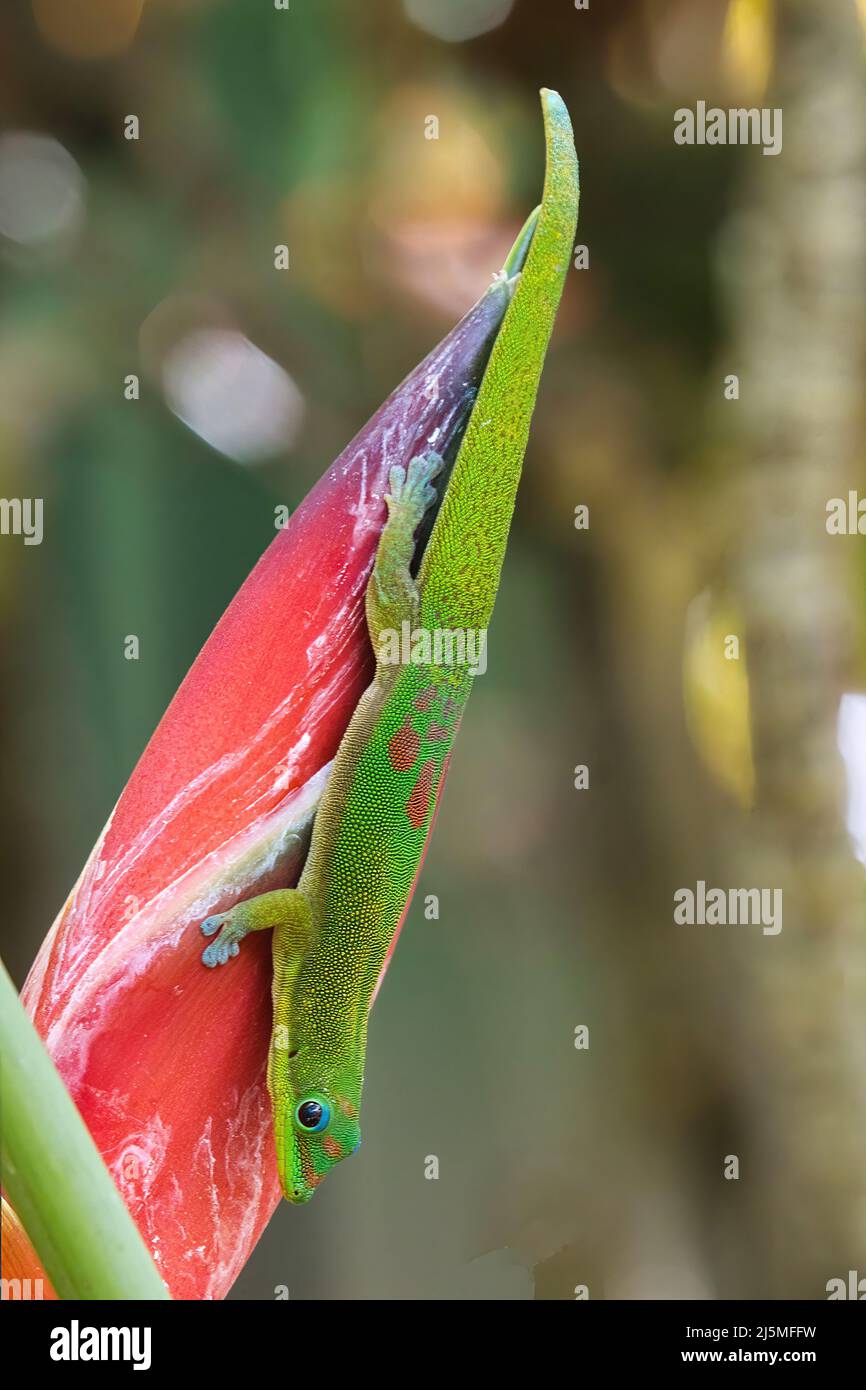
(318, 1130)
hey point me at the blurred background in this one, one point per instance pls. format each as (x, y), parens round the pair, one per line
(560, 1167)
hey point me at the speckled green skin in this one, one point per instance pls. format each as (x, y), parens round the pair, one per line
(333, 934)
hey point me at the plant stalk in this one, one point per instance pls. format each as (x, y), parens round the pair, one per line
(55, 1178)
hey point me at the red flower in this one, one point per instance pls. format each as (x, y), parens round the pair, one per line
(166, 1059)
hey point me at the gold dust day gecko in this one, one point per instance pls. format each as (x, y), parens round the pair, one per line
(333, 935)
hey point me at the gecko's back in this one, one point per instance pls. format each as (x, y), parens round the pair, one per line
(361, 886)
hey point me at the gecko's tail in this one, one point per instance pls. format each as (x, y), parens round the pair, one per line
(460, 569)
(497, 299)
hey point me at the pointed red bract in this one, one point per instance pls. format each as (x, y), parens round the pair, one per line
(165, 1058)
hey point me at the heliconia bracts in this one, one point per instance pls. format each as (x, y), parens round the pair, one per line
(166, 1061)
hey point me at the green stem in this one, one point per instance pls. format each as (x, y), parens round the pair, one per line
(55, 1178)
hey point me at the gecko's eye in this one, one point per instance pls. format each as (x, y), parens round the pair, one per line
(313, 1115)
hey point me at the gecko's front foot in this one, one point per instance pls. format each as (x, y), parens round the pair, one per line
(231, 934)
(284, 908)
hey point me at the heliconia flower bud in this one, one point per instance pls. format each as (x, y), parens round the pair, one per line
(164, 1058)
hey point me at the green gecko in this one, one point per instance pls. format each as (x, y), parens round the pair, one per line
(333, 935)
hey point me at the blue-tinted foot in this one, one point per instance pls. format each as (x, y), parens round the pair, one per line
(227, 944)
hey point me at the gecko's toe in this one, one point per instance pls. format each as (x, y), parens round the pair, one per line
(218, 952)
(227, 944)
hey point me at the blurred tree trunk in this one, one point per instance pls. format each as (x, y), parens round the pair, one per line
(797, 300)
(727, 1041)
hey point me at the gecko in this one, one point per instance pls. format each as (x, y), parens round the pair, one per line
(333, 935)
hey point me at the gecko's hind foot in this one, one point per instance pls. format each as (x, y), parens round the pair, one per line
(412, 491)
(227, 944)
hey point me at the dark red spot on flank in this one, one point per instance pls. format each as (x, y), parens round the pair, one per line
(419, 802)
(424, 700)
(437, 733)
(331, 1147)
(403, 748)
(449, 709)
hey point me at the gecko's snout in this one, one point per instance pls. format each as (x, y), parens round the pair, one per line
(299, 1195)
